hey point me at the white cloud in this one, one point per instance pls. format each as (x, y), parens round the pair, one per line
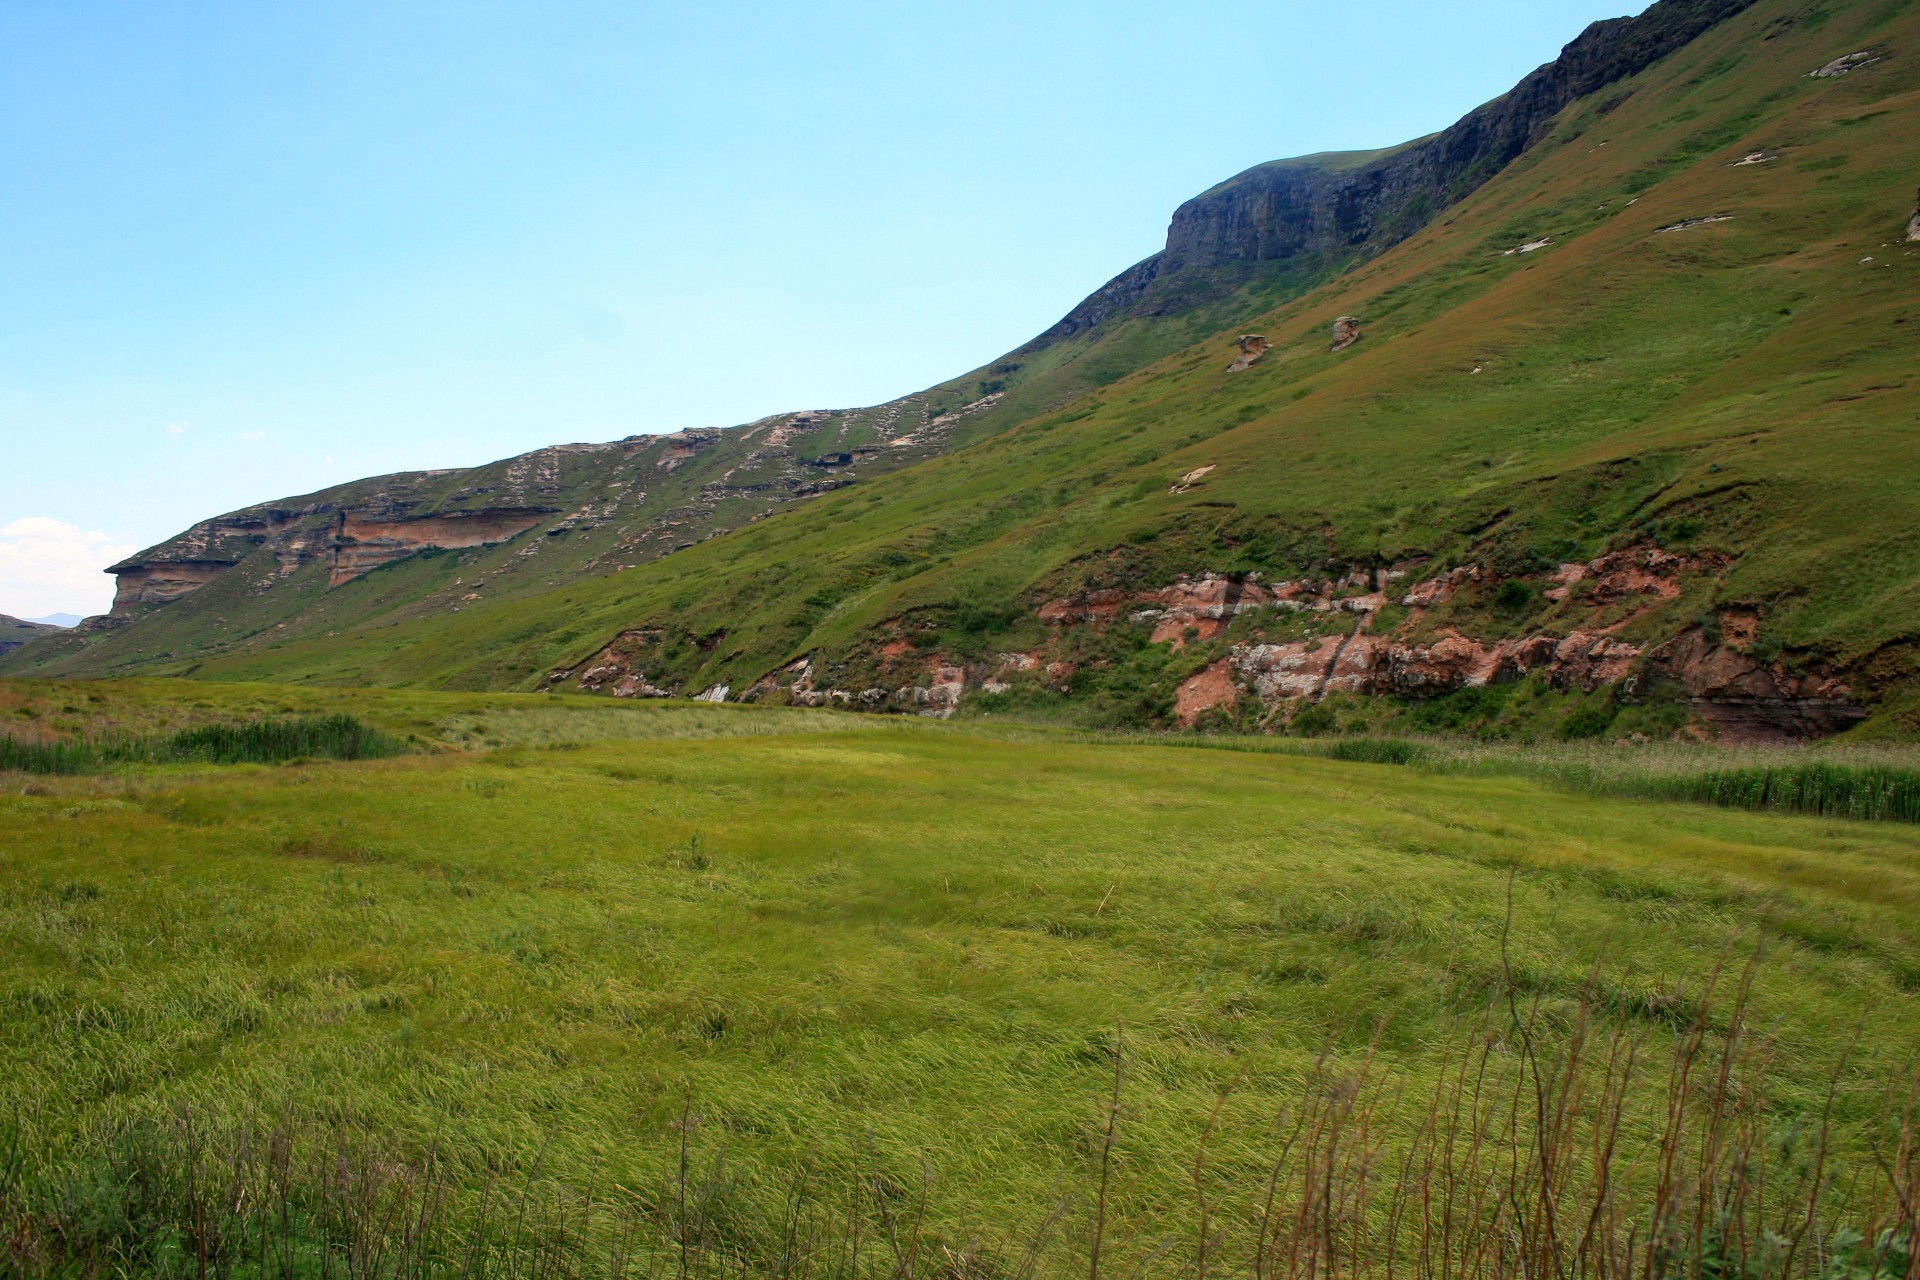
(49, 566)
(253, 435)
(178, 428)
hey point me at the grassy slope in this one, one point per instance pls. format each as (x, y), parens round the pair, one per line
(232, 618)
(1743, 386)
(46, 710)
(1749, 381)
(914, 939)
(15, 631)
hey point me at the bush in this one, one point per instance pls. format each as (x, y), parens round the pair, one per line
(1516, 595)
(1315, 720)
(1463, 711)
(1590, 719)
(1377, 751)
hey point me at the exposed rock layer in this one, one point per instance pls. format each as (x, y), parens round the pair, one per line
(1324, 211)
(1722, 677)
(362, 543)
(161, 582)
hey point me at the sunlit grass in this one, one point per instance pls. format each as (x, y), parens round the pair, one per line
(905, 949)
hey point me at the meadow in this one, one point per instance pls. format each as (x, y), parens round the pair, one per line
(688, 990)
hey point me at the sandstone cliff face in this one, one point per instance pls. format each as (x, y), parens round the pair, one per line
(613, 505)
(160, 575)
(362, 543)
(1323, 211)
(161, 582)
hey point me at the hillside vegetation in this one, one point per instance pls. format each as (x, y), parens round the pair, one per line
(1703, 358)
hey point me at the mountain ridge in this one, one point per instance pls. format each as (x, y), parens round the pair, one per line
(1331, 208)
(16, 632)
(994, 515)
(1320, 206)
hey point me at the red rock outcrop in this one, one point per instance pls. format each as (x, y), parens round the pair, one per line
(617, 669)
(1746, 696)
(1749, 698)
(1213, 687)
(1282, 671)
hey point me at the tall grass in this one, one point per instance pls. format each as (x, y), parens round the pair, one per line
(1559, 1146)
(265, 741)
(1836, 790)
(1869, 784)
(1876, 785)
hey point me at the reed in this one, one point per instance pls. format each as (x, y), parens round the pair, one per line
(263, 741)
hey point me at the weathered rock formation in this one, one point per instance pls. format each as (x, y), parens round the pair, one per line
(1322, 212)
(158, 582)
(1747, 697)
(1252, 347)
(1913, 227)
(684, 445)
(1845, 64)
(1346, 332)
(365, 542)
(1186, 482)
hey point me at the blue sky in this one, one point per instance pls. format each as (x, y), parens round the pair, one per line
(248, 250)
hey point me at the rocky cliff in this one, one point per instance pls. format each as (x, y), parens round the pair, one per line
(1322, 212)
(267, 573)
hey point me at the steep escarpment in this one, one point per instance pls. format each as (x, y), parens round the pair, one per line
(1322, 212)
(1307, 217)
(515, 527)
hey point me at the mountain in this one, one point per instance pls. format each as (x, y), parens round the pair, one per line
(1572, 410)
(61, 620)
(15, 632)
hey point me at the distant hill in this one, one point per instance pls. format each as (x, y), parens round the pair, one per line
(15, 632)
(1615, 431)
(59, 620)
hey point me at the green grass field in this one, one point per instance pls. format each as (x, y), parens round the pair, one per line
(912, 951)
